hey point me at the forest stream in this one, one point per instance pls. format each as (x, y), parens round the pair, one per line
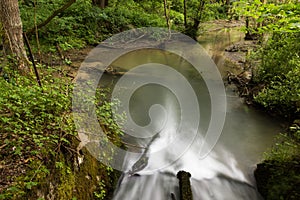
(149, 100)
(227, 172)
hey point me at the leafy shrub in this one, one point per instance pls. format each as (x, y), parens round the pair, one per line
(34, 125)
(38, 131)
(214, 11)
(128, 15)
(279, 56)
(280, 16)
(38, 115)
(283, 93)
(74, 28)
(83, 23)
(280, 71)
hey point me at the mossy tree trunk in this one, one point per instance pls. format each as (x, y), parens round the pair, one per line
(167, 14)
(185, 185)
(12, 25)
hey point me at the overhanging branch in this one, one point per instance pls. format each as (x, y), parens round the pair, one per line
(55, 13)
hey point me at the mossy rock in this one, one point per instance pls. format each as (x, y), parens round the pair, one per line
(277, 180)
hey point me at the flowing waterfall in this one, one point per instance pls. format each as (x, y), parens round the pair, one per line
(217, 176)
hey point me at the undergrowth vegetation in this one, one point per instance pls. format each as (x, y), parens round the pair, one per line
(280, 71)
(39, 140)
(83, 23)
(86, 24)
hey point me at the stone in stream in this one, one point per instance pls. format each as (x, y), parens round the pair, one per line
(139, 165)
(185, 185)
(173, 196)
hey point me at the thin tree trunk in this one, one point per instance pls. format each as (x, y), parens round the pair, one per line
(12, 24)
(197, 19)
(167, 16)
(184, 14)
(199, 14)
(166, 13)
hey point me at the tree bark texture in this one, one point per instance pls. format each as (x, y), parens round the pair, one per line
(12, 24)
(167, 14)
(185, 185)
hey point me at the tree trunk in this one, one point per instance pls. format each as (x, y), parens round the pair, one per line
(101, 3)
(197, 20)
(184, 14)
(167, 14)
(185, 185)
(12, 24)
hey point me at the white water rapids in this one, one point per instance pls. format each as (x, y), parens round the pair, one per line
(225, 174)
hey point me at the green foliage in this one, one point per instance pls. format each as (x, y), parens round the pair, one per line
(37, 129)
(34, 123)
(84, 24)
(280, 70)
(282, 173)
(102, 194)
(106, 117)
(285, 148)
(74, 28)
(201, 11)
(269, 17)
(176, 19)
(279, 56)
(283, 93)
(120, 18)
(214, 10)
(38, 115)
(67, 180)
